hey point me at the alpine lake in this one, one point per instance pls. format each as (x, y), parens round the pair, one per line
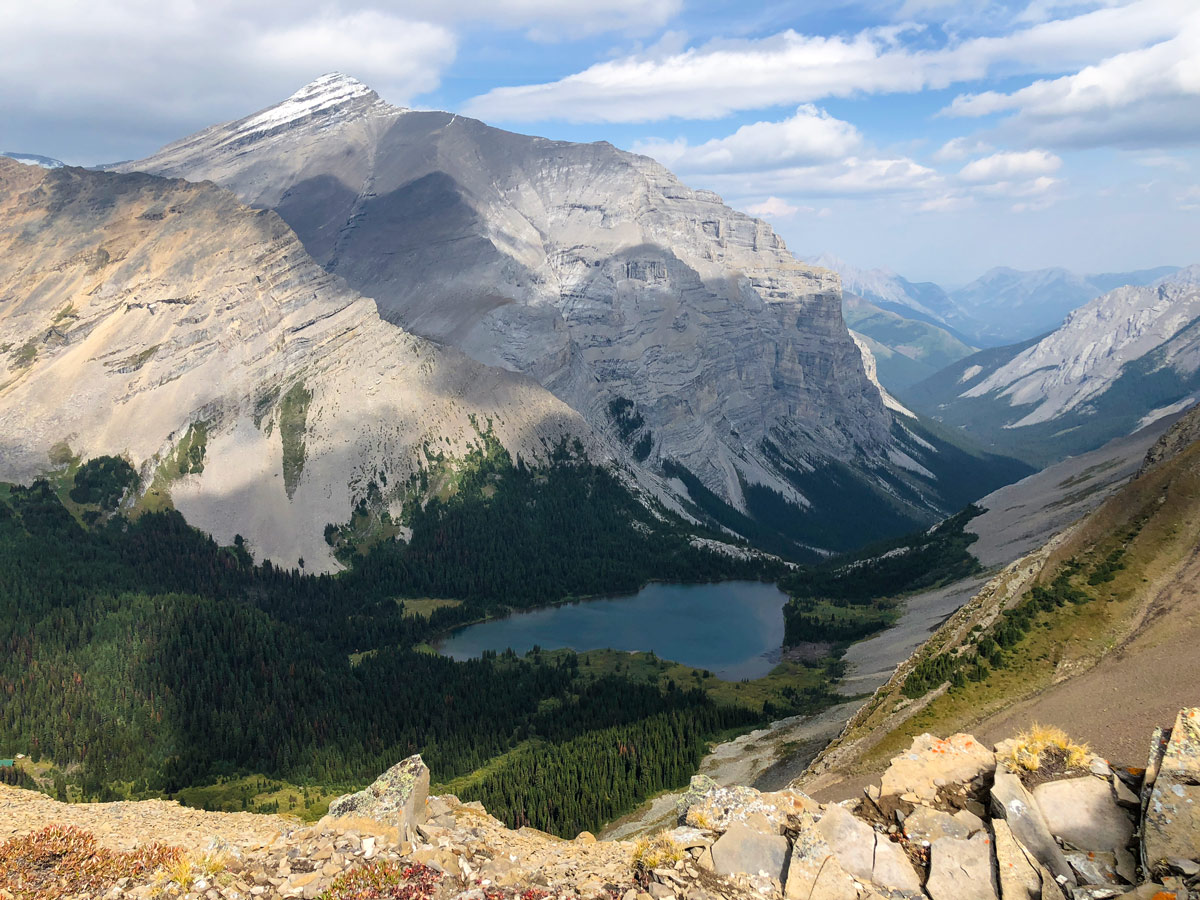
(732, 628)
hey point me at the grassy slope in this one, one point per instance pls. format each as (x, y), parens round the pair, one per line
(1065, 643)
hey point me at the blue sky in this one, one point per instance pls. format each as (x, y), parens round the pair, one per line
(934, 138)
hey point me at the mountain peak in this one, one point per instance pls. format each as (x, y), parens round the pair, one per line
(324, 97)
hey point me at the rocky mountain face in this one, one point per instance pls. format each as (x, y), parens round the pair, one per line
(1115, 365)
(680, 328)
(1008, 305)
(166, 322)
(907, 350)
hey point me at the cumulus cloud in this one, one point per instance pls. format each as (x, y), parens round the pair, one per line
(810, 152)
(774, 208)
(1010, 165)
(726, 76)
(960, 148)
(126, 75)
(810, 136)
(1147, 96)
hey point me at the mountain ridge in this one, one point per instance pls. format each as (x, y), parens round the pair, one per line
(595, 272)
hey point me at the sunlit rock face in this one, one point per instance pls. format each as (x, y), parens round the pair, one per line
(593, 270)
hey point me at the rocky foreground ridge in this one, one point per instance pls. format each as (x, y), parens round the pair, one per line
(1035, 818)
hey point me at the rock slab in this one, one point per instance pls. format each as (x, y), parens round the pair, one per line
(932, 762)
(748, 850)
(1084, 813)
(962, 870)
(397, 797)
(1014, 804)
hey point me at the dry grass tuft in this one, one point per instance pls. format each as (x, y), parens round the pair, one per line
(61, 861)
(1033, 747)
(656, 852)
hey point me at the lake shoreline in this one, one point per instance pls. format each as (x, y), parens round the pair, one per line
(733, 627)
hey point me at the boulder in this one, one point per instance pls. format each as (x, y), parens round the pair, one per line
(813, 872)
(1171, 822)
(865, 854)
(749, 850)
(932, 762)
(962, 869)
(1014, 804)
(709, 806)
(1018, 878)
(397, 797)
(926, 825)
(1084, 813)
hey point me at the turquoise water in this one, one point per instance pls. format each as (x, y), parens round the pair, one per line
(733, 628)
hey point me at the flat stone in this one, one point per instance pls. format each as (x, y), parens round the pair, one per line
(1018, 878)
(750, 851)
(1094, 867)
(866, 855)
(1084, 813)
(1124, 796)
(969, 820)
(1014, 804)
(813, 872)
(932, 762)
(925, 824)
(962, 869)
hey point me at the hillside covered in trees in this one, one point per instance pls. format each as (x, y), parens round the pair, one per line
(140, 658)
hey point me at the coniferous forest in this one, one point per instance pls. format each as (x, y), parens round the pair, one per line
(140, 658)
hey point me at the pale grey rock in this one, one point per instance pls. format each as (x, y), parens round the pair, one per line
(865, 854)
(747, 850)
(962, 869)
(397, 797)
(1084, 813)
(933, 762)
(594, 271)
(1171, 821)
(1017, 876)
(1094, 867)
(1014, 804)
(925, 824)
(813, 872)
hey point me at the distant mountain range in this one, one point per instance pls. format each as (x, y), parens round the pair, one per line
(1002, 306)
(1115, 364)
(402, 283)
(34, 159)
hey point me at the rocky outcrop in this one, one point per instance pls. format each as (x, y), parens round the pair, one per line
(397, 797)
(592, 270)
(138, 314)
(767, 846)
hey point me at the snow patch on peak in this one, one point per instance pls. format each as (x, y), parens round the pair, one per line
(324, 95)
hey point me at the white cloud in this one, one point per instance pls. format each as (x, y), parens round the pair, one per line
(810, 152)
(726, 76)
(810, 136)
(950, 202)
(126, 75)
(774, 208)
(1188, 198)
(1147, 96)
(1010, 165)
(960, 148)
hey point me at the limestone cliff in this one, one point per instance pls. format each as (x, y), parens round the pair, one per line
(683, 329)
(166, 322)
